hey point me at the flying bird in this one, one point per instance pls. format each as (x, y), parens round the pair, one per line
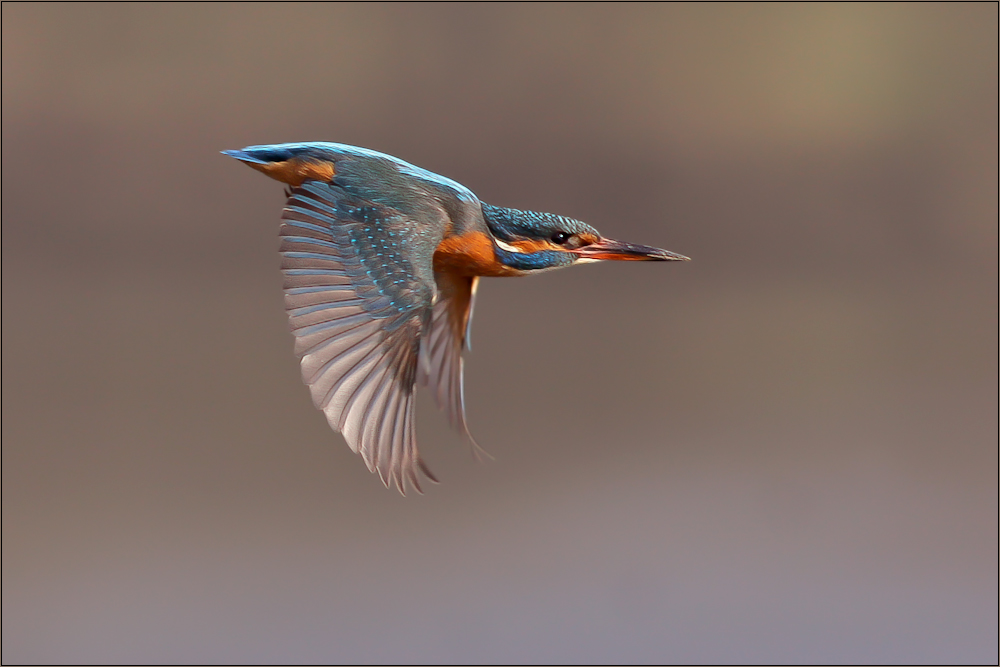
(381, 260)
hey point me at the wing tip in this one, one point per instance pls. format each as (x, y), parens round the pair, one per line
(404, 476)
(427, 471)
(478, 451)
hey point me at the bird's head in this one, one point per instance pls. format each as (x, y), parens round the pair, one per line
(530, 241)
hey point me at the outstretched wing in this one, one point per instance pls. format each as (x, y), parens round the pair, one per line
(359, 290)
(441, 362)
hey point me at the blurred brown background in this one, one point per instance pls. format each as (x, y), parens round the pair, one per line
(783, 451)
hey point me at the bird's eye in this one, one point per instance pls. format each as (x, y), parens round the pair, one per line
(560, 237)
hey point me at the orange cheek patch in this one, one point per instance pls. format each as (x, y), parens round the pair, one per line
(530, 246)
(538, 245)
(295, 171)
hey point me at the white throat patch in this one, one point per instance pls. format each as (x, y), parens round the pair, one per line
(508, 247)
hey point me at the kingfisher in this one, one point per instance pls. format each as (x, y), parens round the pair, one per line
(381, 260)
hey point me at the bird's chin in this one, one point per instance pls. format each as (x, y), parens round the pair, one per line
(606, 249)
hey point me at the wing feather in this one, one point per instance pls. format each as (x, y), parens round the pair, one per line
(358, 303)
(442, 366)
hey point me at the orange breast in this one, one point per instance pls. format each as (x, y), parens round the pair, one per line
(470, 254)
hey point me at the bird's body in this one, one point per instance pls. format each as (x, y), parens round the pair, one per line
(381, 261)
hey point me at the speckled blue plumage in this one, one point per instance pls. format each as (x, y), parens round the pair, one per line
(390, 269)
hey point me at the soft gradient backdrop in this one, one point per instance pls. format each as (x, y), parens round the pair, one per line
(783, 451)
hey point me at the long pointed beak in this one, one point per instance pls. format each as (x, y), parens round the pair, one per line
(608, 249)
